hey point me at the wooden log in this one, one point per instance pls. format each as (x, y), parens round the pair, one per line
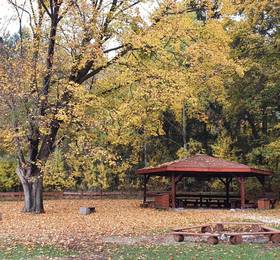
(236, 239)
(215, 223)
(256, 228)
(252, 233)
(194, 234)
(185, 233)
(178, 238)
(275, 238)
(240, 223)
(206, 229)
(212, 240)
(191, 227)
(265, 228)
(219, 227)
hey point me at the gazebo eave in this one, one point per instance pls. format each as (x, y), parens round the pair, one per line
(193, 172)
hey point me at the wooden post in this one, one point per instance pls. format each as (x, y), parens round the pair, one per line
(242, 191)
(173, 191)
(146, 178)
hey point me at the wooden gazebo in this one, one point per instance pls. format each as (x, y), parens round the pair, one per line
(206, 167)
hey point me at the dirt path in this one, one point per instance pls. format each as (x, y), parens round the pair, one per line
(260, 218)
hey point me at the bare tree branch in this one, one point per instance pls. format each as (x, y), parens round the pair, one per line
(109, 63)
(20, 16)
(46, 8)
(114, 49)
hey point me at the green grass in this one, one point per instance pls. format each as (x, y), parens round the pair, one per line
(23, 252)
(199, 252)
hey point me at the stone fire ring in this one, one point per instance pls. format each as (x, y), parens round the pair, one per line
(214, 231)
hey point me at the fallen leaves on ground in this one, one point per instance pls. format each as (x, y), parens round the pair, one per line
(62, 225)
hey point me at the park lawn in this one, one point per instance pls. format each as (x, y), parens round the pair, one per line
(63, 227)
(17, 252)
(198, 252)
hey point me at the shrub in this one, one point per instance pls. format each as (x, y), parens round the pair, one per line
(8, 177)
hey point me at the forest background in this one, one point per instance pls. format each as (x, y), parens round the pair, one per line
(91, 90)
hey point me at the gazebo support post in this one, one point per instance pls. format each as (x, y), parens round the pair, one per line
(146, 178)
(173, 191)
(241, 181)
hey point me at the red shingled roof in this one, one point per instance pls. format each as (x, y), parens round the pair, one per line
(202, 164)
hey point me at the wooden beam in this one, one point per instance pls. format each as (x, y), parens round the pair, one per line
(146, 178)
(173, 191)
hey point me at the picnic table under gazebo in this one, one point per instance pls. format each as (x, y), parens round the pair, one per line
(205, 167)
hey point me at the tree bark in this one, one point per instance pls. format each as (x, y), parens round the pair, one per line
(251, 120)
(32, 183)
(27, 197)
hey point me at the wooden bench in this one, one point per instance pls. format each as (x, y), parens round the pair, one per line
(194, 199)
(207, 199)
(195, 202)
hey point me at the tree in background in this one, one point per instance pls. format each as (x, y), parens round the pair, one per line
(67, 46)
(56, 176)
(176, 64)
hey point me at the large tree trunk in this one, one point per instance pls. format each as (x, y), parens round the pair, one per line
(32, 183)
